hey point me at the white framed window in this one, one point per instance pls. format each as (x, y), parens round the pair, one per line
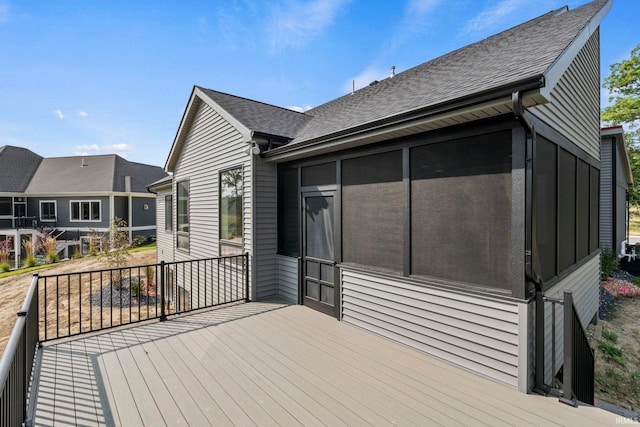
(85, 210)
(48, 210)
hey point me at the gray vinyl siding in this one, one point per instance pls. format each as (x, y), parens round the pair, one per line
(584, 284)
(211, 146)
(477, 333)
(574, 107)
(287, 278)
(164, 238)
(142, 217)
(266, 234)
(606, 196)
(621, 213)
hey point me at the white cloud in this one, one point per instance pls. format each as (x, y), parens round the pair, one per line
(366, 77)
(83, 113)
(301, 22)
(503, 15)
(118, 147)
(92, 147)
(300, 109)
(58, 113)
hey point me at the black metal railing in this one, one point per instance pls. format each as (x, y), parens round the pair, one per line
(578, 370)
(578, 361)
(17, 361)
(81, 302)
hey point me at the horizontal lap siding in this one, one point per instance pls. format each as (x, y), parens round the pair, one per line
(480, 334)
(584, 284)
(266, 237)
(211, 146)
(164, 239)
(574, 107)
(287, 278)
(606, 196)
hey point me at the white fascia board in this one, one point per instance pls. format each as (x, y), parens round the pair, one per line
(562, 62)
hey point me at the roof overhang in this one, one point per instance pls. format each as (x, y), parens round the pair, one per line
(616, 133)
(448, 114)
(561, 64)
(161, 184)
(195, 100)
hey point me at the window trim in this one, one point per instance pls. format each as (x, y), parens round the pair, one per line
(55, 210)
(226, 242)
(168, 209)
(80, 202)
(181, 233)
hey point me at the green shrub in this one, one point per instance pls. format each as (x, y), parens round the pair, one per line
(5, 266)
(30, 261)
(608, 263)
(612, 352)
(611, 336)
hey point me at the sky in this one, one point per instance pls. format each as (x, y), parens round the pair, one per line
(95, 77)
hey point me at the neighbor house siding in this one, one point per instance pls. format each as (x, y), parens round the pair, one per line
(574, 107)
(287, 278)
(606, 195)
(212, 145)
(621, 196)
(477, 333)
(584, 285)
(266, 234)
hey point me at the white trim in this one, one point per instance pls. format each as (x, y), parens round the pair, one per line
(92, 194)
(55, 210)
(523, 347)
(71, 202)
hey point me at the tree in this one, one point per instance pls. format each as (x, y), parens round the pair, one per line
(624, 88)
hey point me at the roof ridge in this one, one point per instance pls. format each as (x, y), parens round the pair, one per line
(251, 100)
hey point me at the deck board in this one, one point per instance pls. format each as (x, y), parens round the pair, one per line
(274, 365)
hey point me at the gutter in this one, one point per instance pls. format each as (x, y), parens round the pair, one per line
(531, 83)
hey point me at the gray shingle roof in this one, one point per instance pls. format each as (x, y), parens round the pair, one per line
(99, 174)
(17, 166)
(518, 56)
(258, 116)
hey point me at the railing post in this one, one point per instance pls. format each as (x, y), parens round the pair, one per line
(247, 298)
(540, 387)
(567, 370)
(163, 315)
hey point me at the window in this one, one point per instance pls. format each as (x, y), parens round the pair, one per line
(6, 206)
(288, 212)
(183, 214)
(48, 210)
(373, 210)
(85, 210)
(461, 210)
(168, 213)
(231, 212)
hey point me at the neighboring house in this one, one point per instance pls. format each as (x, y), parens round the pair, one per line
(615, 180)
(416, 207)
(73, 196)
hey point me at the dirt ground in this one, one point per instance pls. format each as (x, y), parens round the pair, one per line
(617, 378)
(14, 288)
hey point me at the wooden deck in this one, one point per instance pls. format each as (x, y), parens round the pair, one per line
(272, 364)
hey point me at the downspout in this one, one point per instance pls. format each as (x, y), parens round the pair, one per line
(531, 275)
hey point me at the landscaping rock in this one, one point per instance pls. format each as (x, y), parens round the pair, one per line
(606, 301)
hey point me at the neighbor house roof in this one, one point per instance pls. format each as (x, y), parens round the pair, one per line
(617, 134)
(17, 166)
(92, 174)
(528, 58)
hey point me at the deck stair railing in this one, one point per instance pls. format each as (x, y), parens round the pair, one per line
(64, 305)
(578, 367)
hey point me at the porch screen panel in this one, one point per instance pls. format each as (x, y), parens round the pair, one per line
(594, 209)
(372, 210)
(582, 210)
(6, 206)
(288, 212)
(545, 199)
(461, 210)
(567, 210)
(316, 175)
